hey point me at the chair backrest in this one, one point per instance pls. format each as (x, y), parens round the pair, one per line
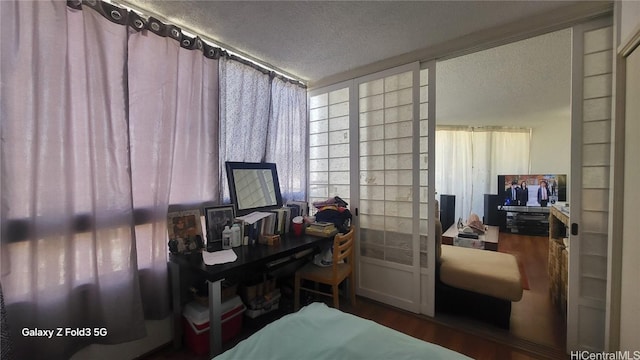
(343, 247)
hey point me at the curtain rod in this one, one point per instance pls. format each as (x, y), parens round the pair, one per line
(233, 54)
(483, 128)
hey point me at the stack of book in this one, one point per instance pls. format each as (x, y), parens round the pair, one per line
(282, 220)
(319, 228)
(298, 208)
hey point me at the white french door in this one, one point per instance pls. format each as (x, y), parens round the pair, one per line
(393, 190)
(590, 188)
(384, 117)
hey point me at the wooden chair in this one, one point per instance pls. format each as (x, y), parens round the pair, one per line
(341, 269)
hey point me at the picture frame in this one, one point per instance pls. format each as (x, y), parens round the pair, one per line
(185, 231)
(216, 218)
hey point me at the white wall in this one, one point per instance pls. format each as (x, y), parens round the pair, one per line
(159, 333)
(630, 287)
(551, 147)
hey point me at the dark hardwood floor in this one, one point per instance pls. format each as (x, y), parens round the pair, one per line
(534, 318)
(537, 328)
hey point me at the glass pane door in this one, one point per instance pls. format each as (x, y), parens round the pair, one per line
(386, 168)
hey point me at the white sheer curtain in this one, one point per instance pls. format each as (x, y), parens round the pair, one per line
(68, 250)
(287, 138)
(469, 160)
(173, 97)
(453, 167)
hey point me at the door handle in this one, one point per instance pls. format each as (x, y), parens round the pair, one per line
(574, 229)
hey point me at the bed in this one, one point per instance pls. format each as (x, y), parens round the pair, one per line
(320, 332)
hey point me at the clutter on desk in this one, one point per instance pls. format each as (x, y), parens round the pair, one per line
(258, 227)
(216, 218)
(269, 239)
(226, 238)
(333, 210)
(236, 235)
(298, 208)
(219, 257)
(322, 229)
(298, 225)
(185, 232)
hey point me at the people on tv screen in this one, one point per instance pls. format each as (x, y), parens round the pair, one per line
(523, 194)
(532, 189)
(543, 194)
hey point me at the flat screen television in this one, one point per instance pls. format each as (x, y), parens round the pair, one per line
(529, 189)
(253, 186)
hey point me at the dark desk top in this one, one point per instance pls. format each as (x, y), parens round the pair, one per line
(249, 256)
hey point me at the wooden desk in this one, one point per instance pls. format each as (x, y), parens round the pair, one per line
(489, 240)
(250, 258)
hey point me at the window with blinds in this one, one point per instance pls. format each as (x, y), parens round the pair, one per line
(329, 145)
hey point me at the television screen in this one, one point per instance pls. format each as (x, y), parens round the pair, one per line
(532, 189)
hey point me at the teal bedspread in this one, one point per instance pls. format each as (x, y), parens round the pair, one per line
(319, 332)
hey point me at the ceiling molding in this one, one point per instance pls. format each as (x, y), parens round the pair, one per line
(631, 43)
(485, 39)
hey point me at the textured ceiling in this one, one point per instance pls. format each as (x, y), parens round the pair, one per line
(526, 82)
(312, 40)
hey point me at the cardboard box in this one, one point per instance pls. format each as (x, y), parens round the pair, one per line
(269, 239)
(196, 323)
(251, 292)
(271, 303)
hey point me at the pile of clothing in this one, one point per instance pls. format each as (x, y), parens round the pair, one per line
(334, 210)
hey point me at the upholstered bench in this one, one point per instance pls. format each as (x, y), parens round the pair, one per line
(478, 283)
(484, 272)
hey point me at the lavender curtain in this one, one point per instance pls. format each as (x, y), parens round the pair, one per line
(68, 245)
(103, 127)
(173, 99)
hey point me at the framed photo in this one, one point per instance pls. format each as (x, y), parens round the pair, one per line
(185, 231)
(217, 217)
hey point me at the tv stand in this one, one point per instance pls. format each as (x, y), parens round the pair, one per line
(527, 220)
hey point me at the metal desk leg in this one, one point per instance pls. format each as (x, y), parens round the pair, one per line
(174, 270)
(215, 318)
